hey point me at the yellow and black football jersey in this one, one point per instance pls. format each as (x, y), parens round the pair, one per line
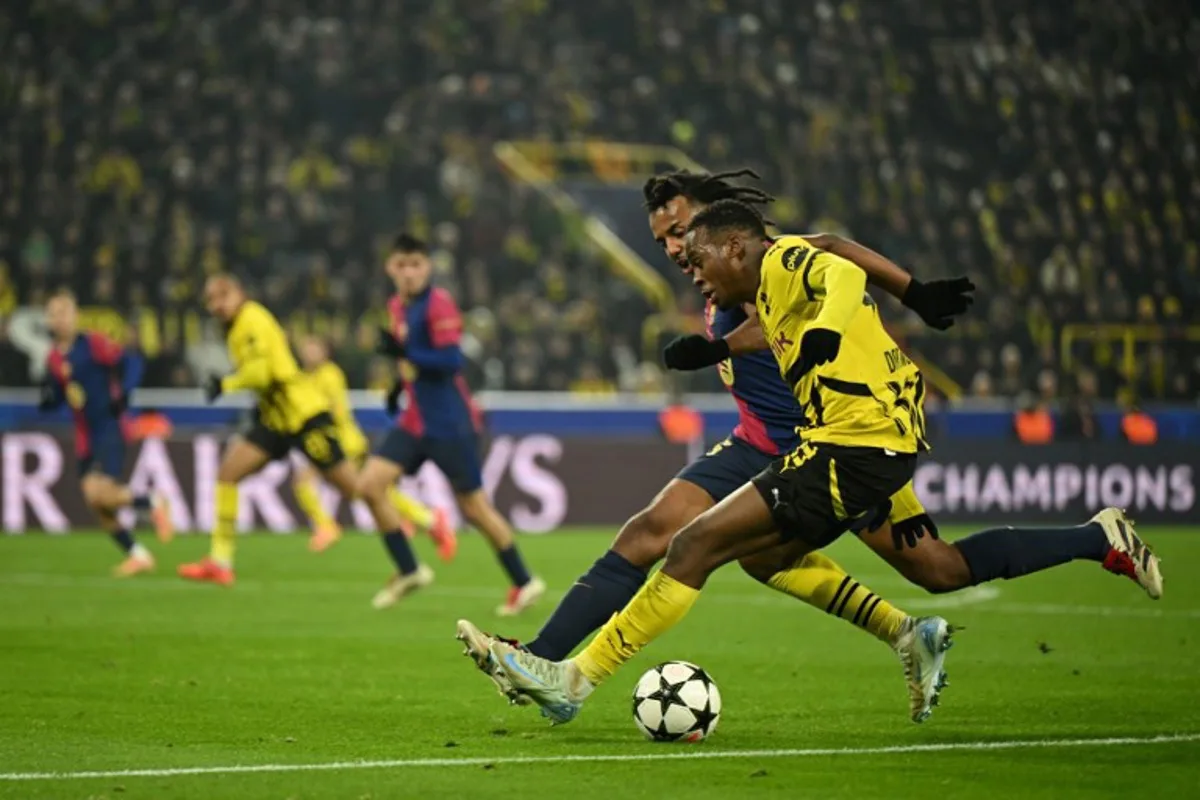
(331, 382)
(872, 394)
(263, 363)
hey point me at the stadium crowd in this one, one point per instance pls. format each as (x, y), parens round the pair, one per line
(149, 146)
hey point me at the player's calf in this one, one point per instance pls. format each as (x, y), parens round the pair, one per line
(936, 566)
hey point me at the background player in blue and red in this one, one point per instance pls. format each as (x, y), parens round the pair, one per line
(94, 376)
(440, 421)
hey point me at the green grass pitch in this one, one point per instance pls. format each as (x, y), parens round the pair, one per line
(292, 668)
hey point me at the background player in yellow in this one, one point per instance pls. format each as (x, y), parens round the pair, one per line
(291, 413)
(862, 398)
(331, 382)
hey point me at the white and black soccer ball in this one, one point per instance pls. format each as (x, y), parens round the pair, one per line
(676, 702)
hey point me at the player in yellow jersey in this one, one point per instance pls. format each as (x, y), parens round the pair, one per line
(861, 396)
(331, 382)
(291, 413)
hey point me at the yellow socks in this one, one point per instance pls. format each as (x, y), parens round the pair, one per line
(411, 509)
(224, 532)
(820, 582)
(308, 497)
(656, 608)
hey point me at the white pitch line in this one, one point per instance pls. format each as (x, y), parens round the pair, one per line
(613, 757)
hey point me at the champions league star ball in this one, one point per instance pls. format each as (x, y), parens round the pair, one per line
(676, 702)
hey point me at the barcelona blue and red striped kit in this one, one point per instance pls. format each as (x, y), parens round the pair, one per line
(440, 421)
(767, 415)
(767, 411)
(91, 376)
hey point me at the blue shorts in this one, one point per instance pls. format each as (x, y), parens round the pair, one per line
(726, 467)
(105, 456)
(732, 463)
(457, 457)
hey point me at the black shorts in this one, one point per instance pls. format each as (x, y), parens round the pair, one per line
(317, 440)
(819, 491)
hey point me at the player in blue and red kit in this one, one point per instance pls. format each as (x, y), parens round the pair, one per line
(94, 376)
(440, 423)
(768, 417)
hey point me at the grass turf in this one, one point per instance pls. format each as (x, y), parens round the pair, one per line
(293, 667)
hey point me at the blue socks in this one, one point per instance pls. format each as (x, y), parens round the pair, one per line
(141, 502)
(1012, 552)
(510, 559)
(601, 592)
(123, 539)
(400, 551)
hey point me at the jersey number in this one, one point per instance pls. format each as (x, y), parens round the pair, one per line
(316, 444)
(908, 398)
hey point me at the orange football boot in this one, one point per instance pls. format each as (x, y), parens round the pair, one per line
(324, 537)
(207, 571)
(444, 535)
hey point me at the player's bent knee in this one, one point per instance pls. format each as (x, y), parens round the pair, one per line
(762, 566)
(644, 539)
(688, 552)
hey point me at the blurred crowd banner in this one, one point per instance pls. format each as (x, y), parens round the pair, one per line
(543, 482)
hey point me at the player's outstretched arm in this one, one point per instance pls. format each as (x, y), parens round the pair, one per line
(936, 302)
(696, 351)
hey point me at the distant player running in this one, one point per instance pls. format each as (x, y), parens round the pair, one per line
(440, 423)
(95, 377)
(331, 381)
(861, 396)
(292, 413)
(767, 420)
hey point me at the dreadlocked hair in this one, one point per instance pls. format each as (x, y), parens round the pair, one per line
(726, 215)
(702, 187)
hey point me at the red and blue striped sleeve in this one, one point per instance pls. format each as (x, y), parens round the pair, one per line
(107, 353)
(445, 333)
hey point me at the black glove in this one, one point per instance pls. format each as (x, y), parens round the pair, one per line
(119, 404)
(389, 345)
(393, 397)
(818, 346)
(912, 529)
(939, 302)
(693, 352)
(48, 398)
(212, 388)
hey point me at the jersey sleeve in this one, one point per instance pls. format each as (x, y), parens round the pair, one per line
(798, 280)
(252, 343)
(444, 323)
(104, 351)
(445, 320)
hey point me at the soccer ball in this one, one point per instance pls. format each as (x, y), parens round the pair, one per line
(676, 701)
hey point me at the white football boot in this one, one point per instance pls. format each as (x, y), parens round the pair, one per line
(401, 585)
(522, 597)
(1128, 554)
(921, 645)
(557, 686)
(477, 645)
